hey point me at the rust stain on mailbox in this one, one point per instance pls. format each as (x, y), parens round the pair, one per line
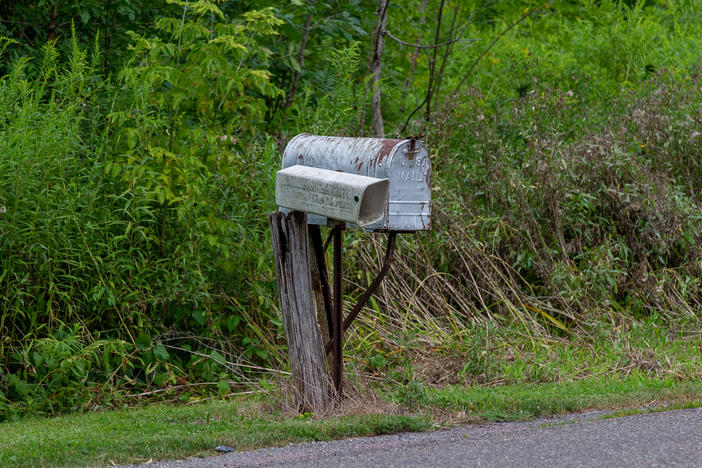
(404, 162)
(387, 146)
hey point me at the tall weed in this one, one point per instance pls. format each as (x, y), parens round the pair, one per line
(135, 216)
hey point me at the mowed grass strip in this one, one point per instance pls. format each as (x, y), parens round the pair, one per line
(527, 401)
(171, 432)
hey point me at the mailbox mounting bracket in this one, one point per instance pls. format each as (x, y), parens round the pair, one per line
(334, 312)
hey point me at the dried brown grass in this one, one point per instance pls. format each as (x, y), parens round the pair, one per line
(548, 222)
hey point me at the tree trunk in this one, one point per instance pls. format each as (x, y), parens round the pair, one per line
(53, 18)
(376, 69)
(415, 56)
(297, 305)
(432, 64)
(447, 52)
(300, 60)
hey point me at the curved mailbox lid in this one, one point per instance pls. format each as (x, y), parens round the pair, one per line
(404, 162)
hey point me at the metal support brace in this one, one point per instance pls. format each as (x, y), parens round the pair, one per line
(338, 338)
(319, 249)
(334, 313)
(387, 262)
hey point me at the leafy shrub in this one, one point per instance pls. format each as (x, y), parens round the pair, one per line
(135, 208)
(340, 103)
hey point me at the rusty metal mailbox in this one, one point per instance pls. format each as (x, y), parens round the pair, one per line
(381, 185)
(404, 162)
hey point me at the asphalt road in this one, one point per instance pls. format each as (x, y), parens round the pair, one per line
(670, 439)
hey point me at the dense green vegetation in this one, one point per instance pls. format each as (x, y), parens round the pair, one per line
(138, 147)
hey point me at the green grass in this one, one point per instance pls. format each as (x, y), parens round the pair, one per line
(167, 432)
(527, 401)
(656, 409)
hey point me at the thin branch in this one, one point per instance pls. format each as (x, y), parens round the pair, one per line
(415, 56)
(230, 365)
(447, 52)
(492, 44)
(300, 60)
(419, 46)
(195, 384)
(23, 23)
(404, 127)
(450, 44)
(432, 63)
(376, 69)
(315, 25)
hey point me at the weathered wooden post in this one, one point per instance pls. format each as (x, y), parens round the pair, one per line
(297, 304)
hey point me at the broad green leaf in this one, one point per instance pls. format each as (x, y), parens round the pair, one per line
(218, 357)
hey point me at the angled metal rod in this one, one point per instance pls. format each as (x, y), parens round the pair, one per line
(387, 262)
(329, 239)
(338, 338)
(316, 238)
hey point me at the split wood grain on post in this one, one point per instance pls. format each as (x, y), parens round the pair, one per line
(297, 305)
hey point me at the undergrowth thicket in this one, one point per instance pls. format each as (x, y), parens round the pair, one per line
(567, 211)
